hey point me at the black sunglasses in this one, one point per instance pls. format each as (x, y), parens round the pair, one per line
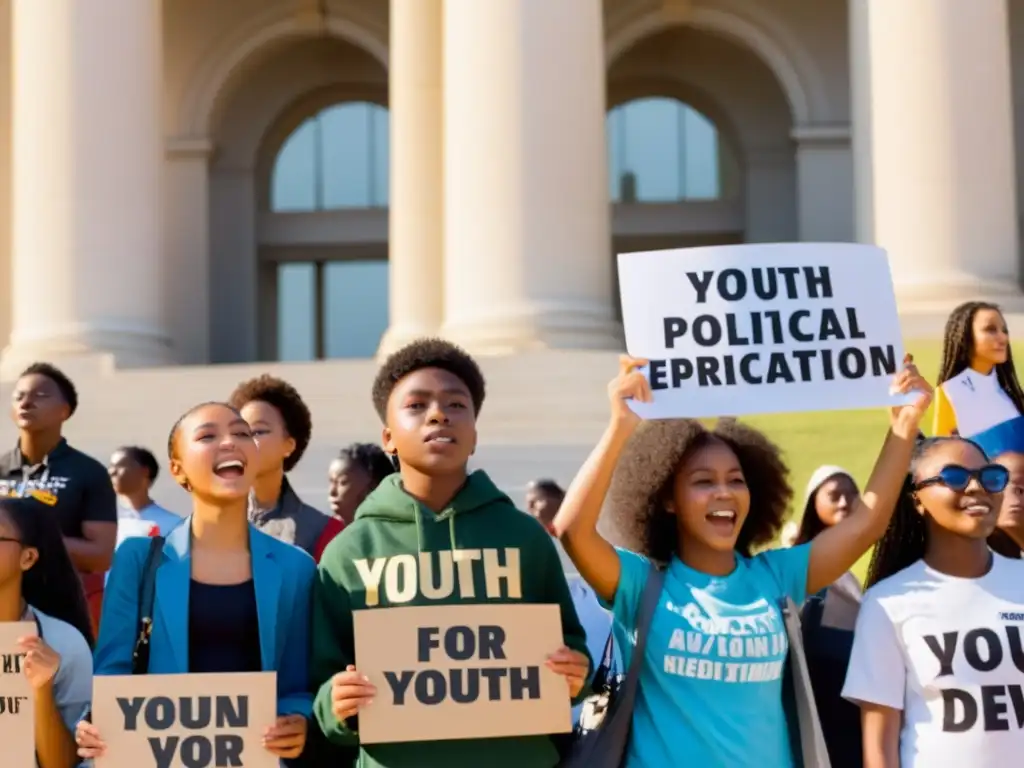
(993, 478)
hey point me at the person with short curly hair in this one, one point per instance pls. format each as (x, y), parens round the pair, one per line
(282, 425)
(460, 533)
(936, 664)
(699, 503)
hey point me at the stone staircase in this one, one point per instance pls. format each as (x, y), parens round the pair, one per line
(543, 412)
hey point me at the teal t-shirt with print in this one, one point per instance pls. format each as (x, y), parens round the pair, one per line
(711, 682)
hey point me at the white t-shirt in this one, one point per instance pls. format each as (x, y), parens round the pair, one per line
(149, 521)
(949, 653)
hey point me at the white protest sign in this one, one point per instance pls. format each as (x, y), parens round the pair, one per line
(775, 328)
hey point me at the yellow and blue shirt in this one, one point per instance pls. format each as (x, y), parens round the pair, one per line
(975, 406)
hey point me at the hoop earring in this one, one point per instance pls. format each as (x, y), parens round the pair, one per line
(187, 486)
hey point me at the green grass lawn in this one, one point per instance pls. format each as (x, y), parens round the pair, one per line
(850, 439)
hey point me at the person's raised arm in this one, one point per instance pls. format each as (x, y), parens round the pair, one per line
(835, 550)
(576, 522)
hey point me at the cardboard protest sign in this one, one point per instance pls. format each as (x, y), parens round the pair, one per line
(187, 721)
(461, 672)
(775, 328)
(17, 711)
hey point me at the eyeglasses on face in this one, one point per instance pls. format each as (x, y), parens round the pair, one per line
(993, 478)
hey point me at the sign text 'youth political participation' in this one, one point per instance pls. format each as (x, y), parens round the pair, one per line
(748, 335)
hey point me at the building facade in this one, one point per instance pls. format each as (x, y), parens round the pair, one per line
(192, 182)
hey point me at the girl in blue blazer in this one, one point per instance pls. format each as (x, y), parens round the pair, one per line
(228, 598)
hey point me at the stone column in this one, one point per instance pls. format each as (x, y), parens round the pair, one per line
(527, 261)
(186, 245)
(824, 170)
(933, 147)
(416, 215)
(86, 184)
(5, 171)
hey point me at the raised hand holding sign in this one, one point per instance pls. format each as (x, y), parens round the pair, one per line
(906, 418)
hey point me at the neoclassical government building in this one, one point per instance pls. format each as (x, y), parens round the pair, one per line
(204, 181)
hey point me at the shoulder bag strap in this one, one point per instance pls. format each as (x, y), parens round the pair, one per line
(644, 616)
(812, 746)
(147, 596)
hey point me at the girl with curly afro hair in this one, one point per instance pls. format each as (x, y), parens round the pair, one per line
(978, 395)
(282, 426)
(699, 503)
(937, 644)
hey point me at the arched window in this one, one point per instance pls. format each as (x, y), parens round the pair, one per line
(337, 159)
(662, 151)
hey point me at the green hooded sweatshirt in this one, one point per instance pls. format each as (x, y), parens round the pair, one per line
(390, 522)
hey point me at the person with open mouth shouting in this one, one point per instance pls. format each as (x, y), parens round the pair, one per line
(937, 659)
(698, 502)
(228, 577)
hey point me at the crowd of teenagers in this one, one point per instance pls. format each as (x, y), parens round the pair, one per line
(726, 635)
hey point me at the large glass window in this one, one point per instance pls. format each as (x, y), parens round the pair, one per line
(662, 151)
(335, 160)
(334, 310)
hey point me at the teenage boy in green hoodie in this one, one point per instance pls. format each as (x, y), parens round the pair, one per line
(429, 395)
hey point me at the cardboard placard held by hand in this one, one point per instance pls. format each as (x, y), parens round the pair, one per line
(461, 672)
(157, 721)
(17, 703)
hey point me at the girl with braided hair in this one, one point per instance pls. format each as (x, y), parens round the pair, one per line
(937, 655)
(978, 395)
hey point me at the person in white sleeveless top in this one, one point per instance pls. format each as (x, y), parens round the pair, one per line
(979, 396)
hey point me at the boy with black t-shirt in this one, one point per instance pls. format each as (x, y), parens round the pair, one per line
(75, 486)
(429, 395)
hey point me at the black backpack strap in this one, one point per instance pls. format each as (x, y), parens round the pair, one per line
(147, 597)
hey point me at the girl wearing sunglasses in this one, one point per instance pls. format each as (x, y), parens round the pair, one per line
(937, 659)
